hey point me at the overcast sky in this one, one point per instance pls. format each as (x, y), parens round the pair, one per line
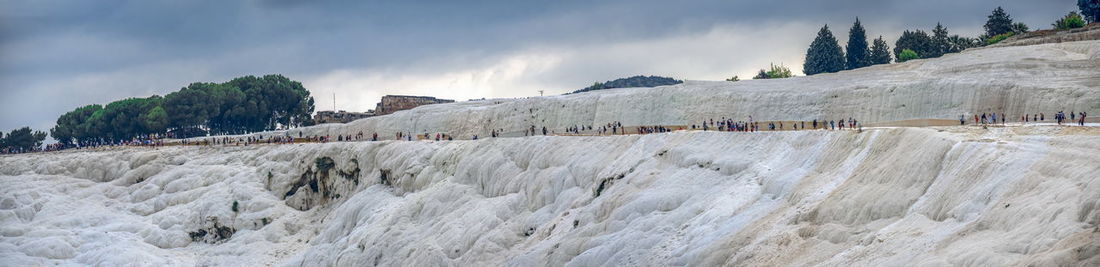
(59, 55)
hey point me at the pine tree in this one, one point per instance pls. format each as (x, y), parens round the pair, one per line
(858, 53)
(824, 54)
(940, 43)
(1090, 9)
(999, 22)
(880, 52)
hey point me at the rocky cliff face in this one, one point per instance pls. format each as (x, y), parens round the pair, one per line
(1014, 80)
(951, 196)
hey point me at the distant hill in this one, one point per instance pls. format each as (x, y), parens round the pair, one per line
(636, 81)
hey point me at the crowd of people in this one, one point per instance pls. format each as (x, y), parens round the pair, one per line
(616, 128)
(245, 141)
(654, 129)
(151, 140)
(611, 128)
(991, 118)
(1078, 117)
(729, 125)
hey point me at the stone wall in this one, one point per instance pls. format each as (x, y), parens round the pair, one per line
(395, 103)
(340, 117)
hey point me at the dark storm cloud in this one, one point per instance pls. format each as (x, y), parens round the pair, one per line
(57, 55)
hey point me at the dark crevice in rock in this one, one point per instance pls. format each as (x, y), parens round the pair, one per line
(323, 186)
(605, 183)
(384, 177)
(213, 233)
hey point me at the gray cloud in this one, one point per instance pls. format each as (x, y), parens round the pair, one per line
(57, 55)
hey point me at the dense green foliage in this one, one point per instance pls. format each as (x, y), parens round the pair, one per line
(245, 104)
(774, 72)
(918, 41)
(1070, 21)
(1090, 9)
(880, 52)
(998, 23)
(824, 54)
(907, 55)
(636, 81)
(75, 126)
(932, 46)
(859, 55)
(998, 38)
(22, 139)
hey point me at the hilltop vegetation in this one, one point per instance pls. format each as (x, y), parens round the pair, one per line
(826, 56)
(774, 72)
(245, 104)
(636, 81)
(21, 140)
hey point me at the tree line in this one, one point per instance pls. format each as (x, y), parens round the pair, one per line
(826, 56)
(241, 105)
(635, 81)
(21, 140)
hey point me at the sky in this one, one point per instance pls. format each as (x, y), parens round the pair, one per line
(56, 55)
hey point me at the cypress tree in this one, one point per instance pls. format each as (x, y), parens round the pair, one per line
(858, 53)
(940, 44)
(880, 52)
(1090, 9)
(824, 54)
(999, 22)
